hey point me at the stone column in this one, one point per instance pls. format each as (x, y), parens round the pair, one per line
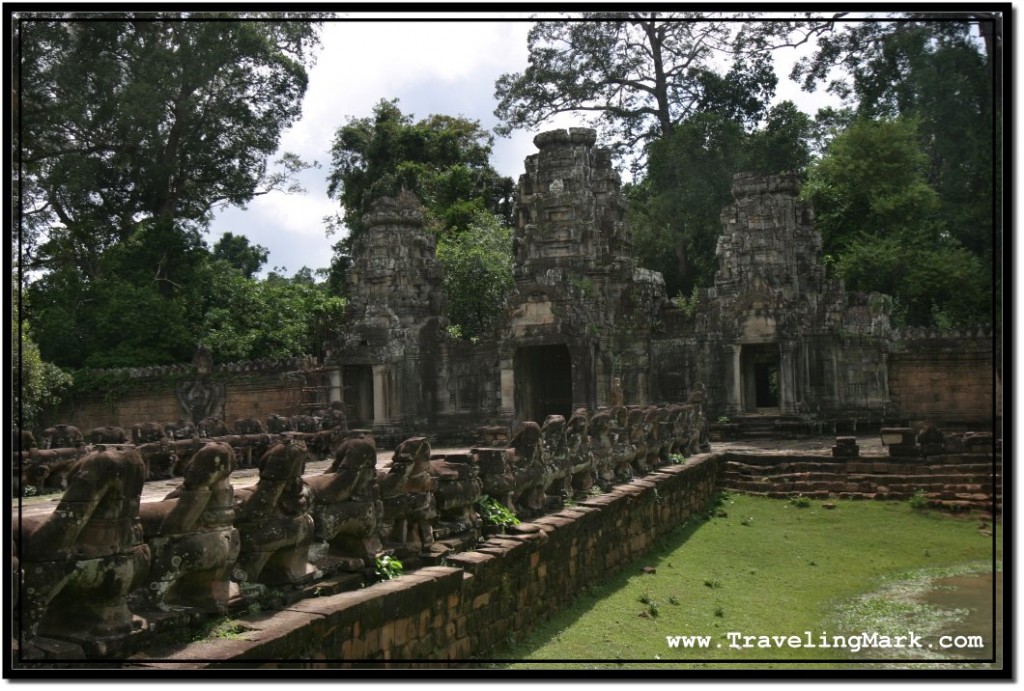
(508, 389)
(380, 389)
(734, 401)
(336, 392)
(787, 378)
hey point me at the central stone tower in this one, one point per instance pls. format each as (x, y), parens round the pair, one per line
(582, 313)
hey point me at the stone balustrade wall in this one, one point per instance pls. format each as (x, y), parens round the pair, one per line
(211, 549)
(477, 600)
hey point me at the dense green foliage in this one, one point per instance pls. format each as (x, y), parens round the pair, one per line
(147, 119)
(443, 160)
(919, 136)
(135, 127)
(36, 383)
(886, 227)
(478, 279)
(675, 209)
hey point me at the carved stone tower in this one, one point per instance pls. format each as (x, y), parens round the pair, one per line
(582, 312)
(391, 345)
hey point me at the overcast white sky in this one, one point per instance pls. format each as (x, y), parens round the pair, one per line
(431, 66)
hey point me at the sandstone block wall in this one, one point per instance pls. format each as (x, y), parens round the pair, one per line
(154, 399)
(943, 386)
(956, 481)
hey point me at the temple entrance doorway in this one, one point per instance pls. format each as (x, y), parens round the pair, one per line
(543, 382)
(357, 383)
(760, 365)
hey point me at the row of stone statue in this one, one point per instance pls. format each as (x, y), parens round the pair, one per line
(102, 554)
(166, 448)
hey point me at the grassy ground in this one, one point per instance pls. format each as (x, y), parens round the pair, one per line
(768, 567)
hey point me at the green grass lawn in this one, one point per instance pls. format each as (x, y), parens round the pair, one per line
(767, 567)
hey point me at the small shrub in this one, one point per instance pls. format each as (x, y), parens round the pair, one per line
(724, 419)
(677, 458)
(919, 500)
(673, 600)
(388, 567)
(645, 598)
(800, 501)
(687, 305)
(652, 609)
(719, 611)
(712, 583)
(495, 513)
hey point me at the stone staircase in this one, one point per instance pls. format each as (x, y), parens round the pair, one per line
(763, 426)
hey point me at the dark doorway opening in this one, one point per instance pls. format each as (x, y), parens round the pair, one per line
(543, 380)
(357, 381)
(766, 383)
(760, 377)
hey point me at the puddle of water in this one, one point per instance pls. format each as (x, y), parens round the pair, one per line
(973, 593)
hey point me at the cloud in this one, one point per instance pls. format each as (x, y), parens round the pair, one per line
(431, 66)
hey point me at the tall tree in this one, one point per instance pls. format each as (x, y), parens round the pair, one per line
(240, 253)
(132, 129)
(443, 160)
(882, 224)
(148, 117)
(944, 71)
(675, 208)
(477, 275)
(641, 73)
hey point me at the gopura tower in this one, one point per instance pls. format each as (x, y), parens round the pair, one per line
(775, 336)
(391, 344)
(582, 314)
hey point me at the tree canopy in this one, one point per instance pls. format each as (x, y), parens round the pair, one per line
(134, 127)
(882, 225)
(641, 73)
(443, 160)
(148, 118)
(940, 75)
(477, 275)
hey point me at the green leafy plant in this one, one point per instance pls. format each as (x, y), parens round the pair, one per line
(800, 501)
(388, 567)
(677, 458)
(495, 513)
(724, 419)
(919, 500)
(688, 306)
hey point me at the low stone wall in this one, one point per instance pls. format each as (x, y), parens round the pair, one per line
(451, 613)
(955, 482)
(150, 394)
(947, 378)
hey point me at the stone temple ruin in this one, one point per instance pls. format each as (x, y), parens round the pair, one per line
(774, 339)
(596, 388)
